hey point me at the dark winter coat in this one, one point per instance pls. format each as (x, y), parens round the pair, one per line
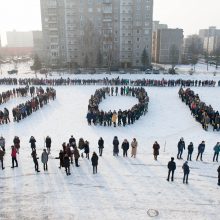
(125, 146)
(76, 153)
(201, 148)
(181, 145)
(86, 148)
(186, 168)
(190, 148)
(34, 155)
(94, 159)
(48, 142)
(156, 148)
(66, 161)
(171, 165)
(218, 172)
(115, 145)
(217, 148)
(32, 141)
(2, 153)
(101, 143)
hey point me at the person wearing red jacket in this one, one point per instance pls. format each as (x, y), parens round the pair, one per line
(14, 156)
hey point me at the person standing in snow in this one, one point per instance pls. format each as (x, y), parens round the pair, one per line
(181, 147)
(66, 163)
(190, 151)
(48, 144)
(125, 147)
(14, 156)
(72, 141)
(156, 148)
(2, 143)
(61, 156)
(94, 160)
(185, 172)
(81, 146)
(115, 146)
(216, 151)
(32, 141)
(34, 156)
(76, 156)
(171, 168)
(17, 143)
(44, 159)
(134, 145)
(101, 146)
(218, 170)
(86, 149)
(2, 154)
(201, 149)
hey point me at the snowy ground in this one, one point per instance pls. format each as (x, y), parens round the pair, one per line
(124, 188)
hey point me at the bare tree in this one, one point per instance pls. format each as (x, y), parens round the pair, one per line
(174, 55)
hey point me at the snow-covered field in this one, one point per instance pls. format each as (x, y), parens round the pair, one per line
(124, 188)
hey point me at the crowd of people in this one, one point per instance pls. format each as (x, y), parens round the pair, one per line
(42, 98)
(119, 118)
(15, 92)
(73, 150)
(110, 82)
(203, 113)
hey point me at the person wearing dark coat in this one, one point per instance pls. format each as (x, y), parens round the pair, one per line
(86, 149)
(76, 156)
(181, 147)
(94, 160)
(185, 172)
(61, 156)
(48, 144)
(156, 148)
(171, 168)
(190, 151)
(2, 153)
(32, 141)
(218, 170)
(66, 164)
(201, 149)
(125, 147)
(72, 141)
(34, 156)
(216, 151)
(115, 146)
(101, 146)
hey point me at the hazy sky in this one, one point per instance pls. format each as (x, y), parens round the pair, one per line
(191, 15)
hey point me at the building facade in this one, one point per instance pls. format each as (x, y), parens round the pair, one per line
(19, 39)
(96, 32)
(167, 42)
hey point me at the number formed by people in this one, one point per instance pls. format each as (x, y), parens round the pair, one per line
(21, 111)
(203, 113)
(120, 118)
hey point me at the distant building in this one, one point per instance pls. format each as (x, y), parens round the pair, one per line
(190, 40)
(210, 38)
(19, 39)
(38, 44)
(164, 40)
(157, 26)
(86, 33)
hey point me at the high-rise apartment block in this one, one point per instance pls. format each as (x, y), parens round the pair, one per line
(96, 32)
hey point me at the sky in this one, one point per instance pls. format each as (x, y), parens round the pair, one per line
(190, 15)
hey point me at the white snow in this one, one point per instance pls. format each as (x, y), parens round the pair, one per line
(124, 188)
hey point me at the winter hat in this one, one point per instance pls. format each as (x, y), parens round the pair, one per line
(172, 158)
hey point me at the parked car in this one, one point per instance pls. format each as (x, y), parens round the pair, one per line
(156, 71)
(13, 71)
(148, 71)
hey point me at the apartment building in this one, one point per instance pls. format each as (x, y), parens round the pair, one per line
(96, 32)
